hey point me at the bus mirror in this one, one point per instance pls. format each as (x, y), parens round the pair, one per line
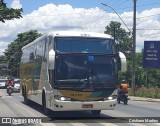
(123, 62)
(51, 59)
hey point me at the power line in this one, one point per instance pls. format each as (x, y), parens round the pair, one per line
(115, 3)
(79, 13)
(121, 3)
(148, 16)
(109, 1)
(150, 34)
(63, 14)
(146, 29)
(149, 4)
(118, 16)
(130, 7)
(94, 19)
(112, 3)
(91, 12)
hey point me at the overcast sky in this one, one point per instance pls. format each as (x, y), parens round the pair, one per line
(53, 15)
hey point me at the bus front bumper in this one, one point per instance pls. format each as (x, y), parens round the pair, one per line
(89, 105)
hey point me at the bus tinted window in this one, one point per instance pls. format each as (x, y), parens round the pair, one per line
(96, 69)
(84, 45)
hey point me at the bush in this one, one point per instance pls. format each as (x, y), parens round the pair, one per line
(148, 92)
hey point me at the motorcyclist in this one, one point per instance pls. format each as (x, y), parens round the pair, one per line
(9, 82)
(123, 88)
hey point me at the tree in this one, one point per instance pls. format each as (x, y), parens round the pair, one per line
(124, 45)
(2, 59)
(147, 77)
(3, 66)
(13, 53)
(121, 36)
(9, 13)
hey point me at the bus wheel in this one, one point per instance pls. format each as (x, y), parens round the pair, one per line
(96, 112)
(45, 110)
(26, 100)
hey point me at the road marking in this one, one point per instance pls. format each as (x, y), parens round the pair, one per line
(158, 124)
(108, 124)
(137, 124)
(90, 124)
(144, 124)
(78, 124)
(48, 124)
(7, 97)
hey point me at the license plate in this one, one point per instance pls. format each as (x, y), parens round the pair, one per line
(87, 106)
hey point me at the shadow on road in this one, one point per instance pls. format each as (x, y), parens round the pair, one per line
(72, 116)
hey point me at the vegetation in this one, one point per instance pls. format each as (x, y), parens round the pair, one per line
(149, 78)
(9, 13)
(150, 92)
(13, 52)
(124, 44)
(121, 36)
(146, 79)
(2, 59)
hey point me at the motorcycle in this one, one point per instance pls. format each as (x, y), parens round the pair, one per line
(122, 97)
(9, 90)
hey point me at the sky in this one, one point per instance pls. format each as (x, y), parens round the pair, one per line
(82, 15)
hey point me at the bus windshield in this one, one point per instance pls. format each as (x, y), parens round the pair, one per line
(84, 70)
(83, 45)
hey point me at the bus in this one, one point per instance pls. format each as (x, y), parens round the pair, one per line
(71, 71)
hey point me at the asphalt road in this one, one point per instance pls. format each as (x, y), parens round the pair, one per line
(13, 106)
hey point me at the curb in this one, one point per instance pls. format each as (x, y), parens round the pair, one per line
(144, 100)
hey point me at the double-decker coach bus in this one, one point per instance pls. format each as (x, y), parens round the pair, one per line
(68, 70)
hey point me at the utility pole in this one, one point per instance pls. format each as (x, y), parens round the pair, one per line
(134, 47)
(134, 42)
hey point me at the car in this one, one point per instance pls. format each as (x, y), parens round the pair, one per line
(3, 83)
(16, 87)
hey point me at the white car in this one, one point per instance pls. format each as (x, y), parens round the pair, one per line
(16, 85)
(2, 83)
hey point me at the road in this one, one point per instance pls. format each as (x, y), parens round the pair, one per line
(13, 106)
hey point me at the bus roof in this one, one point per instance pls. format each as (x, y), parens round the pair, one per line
(79, 33)
(71, 34)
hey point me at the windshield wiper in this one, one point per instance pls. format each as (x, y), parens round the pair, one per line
(71, 83)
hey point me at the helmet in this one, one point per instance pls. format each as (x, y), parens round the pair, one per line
(123, 81)
(9, 78)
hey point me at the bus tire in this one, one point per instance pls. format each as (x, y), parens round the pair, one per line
(26, 100)
(45, 109)
(125, 101)
(96, 112)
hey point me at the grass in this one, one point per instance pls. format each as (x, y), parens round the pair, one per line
(147, 92)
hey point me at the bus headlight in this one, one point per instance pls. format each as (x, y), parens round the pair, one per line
(62, 98)
(108, 98)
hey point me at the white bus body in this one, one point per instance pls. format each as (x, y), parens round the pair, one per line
(85, 81)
